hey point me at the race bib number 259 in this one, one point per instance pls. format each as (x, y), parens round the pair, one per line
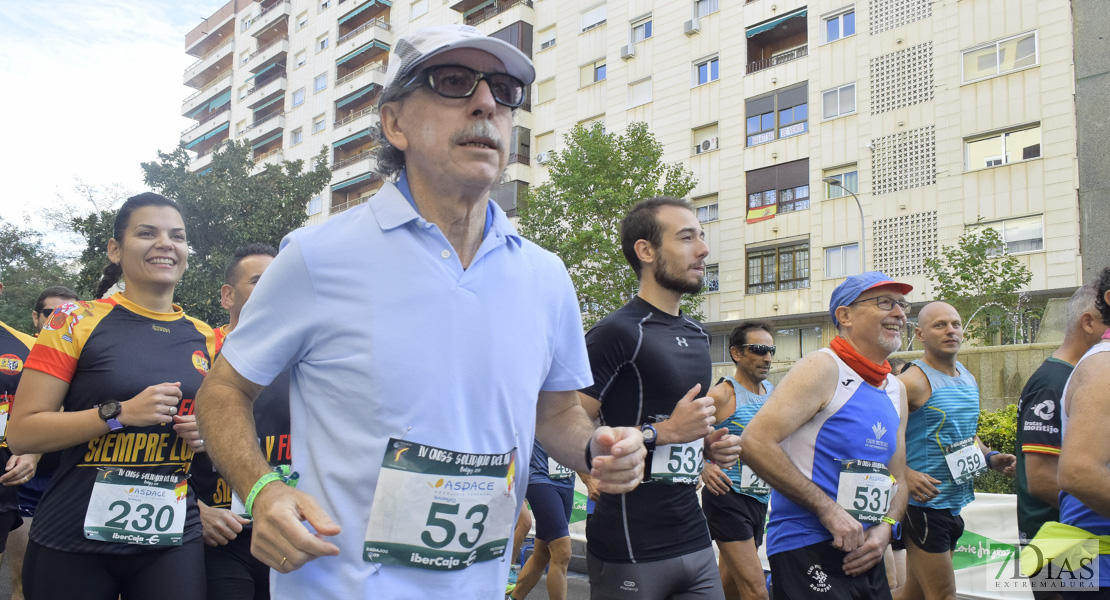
(440, 509)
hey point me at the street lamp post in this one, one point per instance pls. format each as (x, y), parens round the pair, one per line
(862, 230)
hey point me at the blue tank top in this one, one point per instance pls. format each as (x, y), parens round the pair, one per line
(950, 415)
(747, 404)
(1072, 511)
(860, 422)
(539, 469)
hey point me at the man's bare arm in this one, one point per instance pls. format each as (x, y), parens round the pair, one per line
(805, 390)
(917, 386)
(1085, 453)
(564, 427)
(226, 423)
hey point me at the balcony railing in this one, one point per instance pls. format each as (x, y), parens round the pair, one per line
(488, 14)
(268, 46)
(379, 22)
(265, 82)
(210, 53)
(266, 11)
(374, 66)
(355, 115)
(342, 206)
(267, 154)
(519, 158)
(778, 59)
(259, 121)
(207, 87)
(208, 118)
(350, 160)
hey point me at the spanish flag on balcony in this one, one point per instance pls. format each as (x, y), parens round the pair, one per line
(762, 213)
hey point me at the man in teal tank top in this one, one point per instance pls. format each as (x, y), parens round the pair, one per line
(734, 500)
(943, 452)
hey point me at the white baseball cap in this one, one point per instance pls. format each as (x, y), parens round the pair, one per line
(412, 50)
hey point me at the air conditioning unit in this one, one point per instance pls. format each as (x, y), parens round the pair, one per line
(628, 51)
(691, 27)
(542, 158)
(706, 145)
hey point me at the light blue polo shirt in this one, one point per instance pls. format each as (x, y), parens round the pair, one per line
(388, 336)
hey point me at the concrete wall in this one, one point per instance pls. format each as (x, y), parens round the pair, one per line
(1001, 370)
(1092, 86)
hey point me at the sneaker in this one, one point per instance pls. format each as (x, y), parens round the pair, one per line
(514, 570)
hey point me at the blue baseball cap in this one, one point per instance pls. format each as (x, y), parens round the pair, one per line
(847, 292)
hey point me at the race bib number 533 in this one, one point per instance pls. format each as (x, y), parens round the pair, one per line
(440, 509)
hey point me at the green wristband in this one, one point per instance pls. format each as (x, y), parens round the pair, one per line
(262, 482)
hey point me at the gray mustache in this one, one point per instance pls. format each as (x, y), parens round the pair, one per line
(479, 129)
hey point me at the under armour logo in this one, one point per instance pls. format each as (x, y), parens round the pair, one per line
(879, 430)
(847, 382)
(682, 342)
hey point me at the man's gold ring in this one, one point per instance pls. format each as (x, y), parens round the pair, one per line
(282, 563)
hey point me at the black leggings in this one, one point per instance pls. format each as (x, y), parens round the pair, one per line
(176, 573)
(233, 573)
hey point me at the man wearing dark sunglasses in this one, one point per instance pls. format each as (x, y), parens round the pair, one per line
(49, 299)
(943, 452)
(830, 442)
(411, 479)
(734, 500)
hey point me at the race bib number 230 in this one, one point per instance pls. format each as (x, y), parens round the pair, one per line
(135, 507)
(440, 509)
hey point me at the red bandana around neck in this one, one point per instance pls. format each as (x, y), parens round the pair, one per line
(871, 372)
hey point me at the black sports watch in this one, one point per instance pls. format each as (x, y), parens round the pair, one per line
(650, 435)
(109, 411)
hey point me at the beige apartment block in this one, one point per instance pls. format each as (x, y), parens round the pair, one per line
(936, 114)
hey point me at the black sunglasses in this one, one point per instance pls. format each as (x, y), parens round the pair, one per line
(457, 81)
(760, 349)
(46, 312)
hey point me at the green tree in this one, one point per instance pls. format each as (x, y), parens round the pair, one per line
(576, 214)
(983, 282)
(28, 265)
(235, 203)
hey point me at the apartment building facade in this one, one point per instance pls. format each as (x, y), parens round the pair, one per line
(930, 116)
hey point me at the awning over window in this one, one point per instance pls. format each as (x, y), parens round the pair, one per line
(758, 29)
(258, 145)
(350, 15)
(208, 135)
(481, 6)
(361, 49)
(351, 138)
(278, 99)
(355, 96)
(266, 70)
(211, 105)
(353, 181)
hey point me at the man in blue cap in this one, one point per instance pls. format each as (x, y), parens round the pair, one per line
(830, 443)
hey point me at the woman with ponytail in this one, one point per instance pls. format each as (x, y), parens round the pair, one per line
(105, 384)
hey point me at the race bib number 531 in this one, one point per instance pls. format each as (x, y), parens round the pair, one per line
(440, 509)
(865, 489)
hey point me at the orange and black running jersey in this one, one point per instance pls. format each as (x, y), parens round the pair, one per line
(113, 349)
(14, 347)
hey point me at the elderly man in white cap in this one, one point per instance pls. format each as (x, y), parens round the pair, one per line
(428, 343)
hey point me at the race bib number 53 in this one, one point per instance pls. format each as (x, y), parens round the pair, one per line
(440, 509)
(133, 507)
(865, 489)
